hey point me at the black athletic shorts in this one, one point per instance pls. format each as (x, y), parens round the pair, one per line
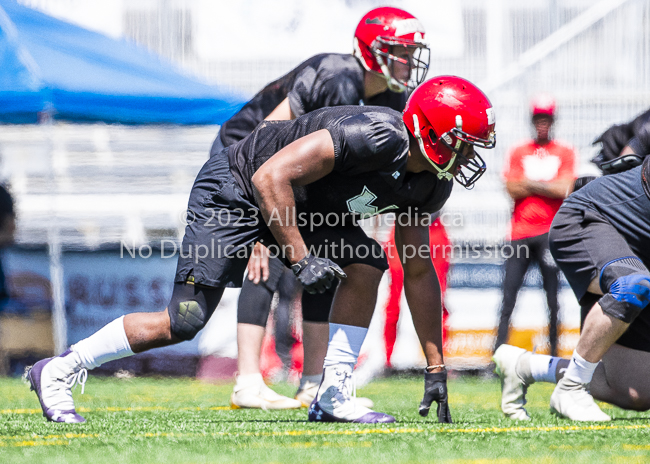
(223, 226)
(582, 242)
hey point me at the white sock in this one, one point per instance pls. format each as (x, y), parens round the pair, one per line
(107, 344)
(580, 370)
(312, 379)
(542, 367)
(250, 380)
(345, 344)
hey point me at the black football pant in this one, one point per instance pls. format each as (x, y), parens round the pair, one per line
(526, 251)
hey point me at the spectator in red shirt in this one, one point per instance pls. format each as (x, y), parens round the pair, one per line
(538, 175)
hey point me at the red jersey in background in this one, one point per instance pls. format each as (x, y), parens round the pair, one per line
(553, 161)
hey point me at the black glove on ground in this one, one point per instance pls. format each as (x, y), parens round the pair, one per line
(317, 274)
(435, 389)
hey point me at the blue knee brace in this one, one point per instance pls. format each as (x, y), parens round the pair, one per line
(627, 282)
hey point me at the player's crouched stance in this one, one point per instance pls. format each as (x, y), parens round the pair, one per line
(600, 238)
(333, 161)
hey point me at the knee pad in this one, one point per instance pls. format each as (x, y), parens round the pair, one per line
(627, 283)
(316, 308)
(190, 308)
(187, 318)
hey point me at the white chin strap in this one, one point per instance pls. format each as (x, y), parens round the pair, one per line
(442, 173)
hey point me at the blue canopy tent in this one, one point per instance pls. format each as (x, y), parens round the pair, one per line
(49, 65)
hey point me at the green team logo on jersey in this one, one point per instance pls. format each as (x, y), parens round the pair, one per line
(362, 204)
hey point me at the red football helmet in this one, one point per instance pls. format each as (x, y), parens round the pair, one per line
(386, 32)
(542, 104)
(446, 113)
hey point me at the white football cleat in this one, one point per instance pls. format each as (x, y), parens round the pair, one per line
(572, 400)
(335, 400)
(52, 379)
(259, 396)
(513, 389)
(307, 394)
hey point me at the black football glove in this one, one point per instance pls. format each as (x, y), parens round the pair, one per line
(435, 389)
(613, 140)
(317, 274)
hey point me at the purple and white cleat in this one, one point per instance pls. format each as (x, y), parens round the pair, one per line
(336, 400)
(52, 379)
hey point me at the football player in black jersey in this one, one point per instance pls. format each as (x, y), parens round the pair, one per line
(390, 58)
(600, 238)
(299, 186)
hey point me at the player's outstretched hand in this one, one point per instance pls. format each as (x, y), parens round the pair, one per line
(317, 274)
(435, 389)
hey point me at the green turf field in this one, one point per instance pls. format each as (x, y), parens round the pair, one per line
(182, 421)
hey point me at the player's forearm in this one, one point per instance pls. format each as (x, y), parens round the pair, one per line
(277, 203)
(424, 299)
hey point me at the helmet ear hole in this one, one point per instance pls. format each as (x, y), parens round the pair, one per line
(433, 138)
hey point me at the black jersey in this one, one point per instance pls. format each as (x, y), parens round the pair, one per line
(328, 79)
(369, 177)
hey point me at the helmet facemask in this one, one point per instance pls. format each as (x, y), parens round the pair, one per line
(383, 49)
(467, 169)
